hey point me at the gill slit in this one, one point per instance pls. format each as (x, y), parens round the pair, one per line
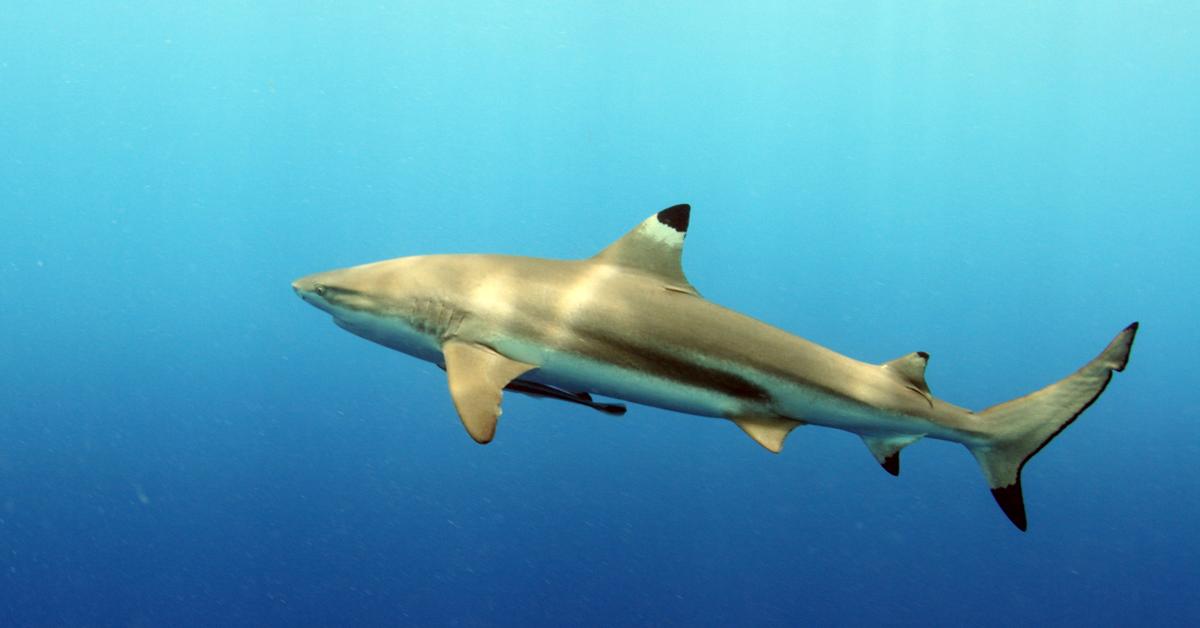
(436, 318)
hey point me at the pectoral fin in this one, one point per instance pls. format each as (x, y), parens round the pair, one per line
(477, 377)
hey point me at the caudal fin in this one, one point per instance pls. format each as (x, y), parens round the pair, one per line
(1021, 427)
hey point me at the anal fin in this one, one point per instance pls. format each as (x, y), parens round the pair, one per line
(768, 430)
(886, 449)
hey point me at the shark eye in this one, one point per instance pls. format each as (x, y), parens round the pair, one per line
(319, 289)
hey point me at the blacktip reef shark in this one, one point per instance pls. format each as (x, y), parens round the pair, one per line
(627, 324)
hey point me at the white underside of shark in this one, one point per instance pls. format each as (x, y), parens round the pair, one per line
(627, 324)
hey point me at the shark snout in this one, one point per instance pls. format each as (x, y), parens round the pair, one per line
(307, 288)
(313, 290)
(302, 286)
(310, 284)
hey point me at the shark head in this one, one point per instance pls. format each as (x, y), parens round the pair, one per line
(338, 292)
(385, 302)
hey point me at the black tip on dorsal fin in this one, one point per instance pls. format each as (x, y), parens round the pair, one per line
(676, 217)
(891, 464)
(655, 247)
(1012, 503)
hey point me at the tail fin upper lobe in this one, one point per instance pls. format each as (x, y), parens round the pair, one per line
(1021, 427)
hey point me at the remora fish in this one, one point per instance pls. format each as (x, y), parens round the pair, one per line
(626, 323)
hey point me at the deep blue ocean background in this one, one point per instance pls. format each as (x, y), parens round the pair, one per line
(183, 442)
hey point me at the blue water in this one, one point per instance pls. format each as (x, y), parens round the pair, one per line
(183, 442)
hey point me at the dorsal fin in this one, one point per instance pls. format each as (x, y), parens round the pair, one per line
(911, 370)
(655, 247)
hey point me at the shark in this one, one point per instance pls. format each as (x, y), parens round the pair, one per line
(627, 324)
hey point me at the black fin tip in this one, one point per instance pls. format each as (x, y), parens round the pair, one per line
(891, 464)
(1012, 503)
(676, 217)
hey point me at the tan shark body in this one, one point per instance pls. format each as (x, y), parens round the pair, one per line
(627, 324)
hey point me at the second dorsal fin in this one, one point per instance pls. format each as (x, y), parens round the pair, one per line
(911, 370)
(655, 247)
